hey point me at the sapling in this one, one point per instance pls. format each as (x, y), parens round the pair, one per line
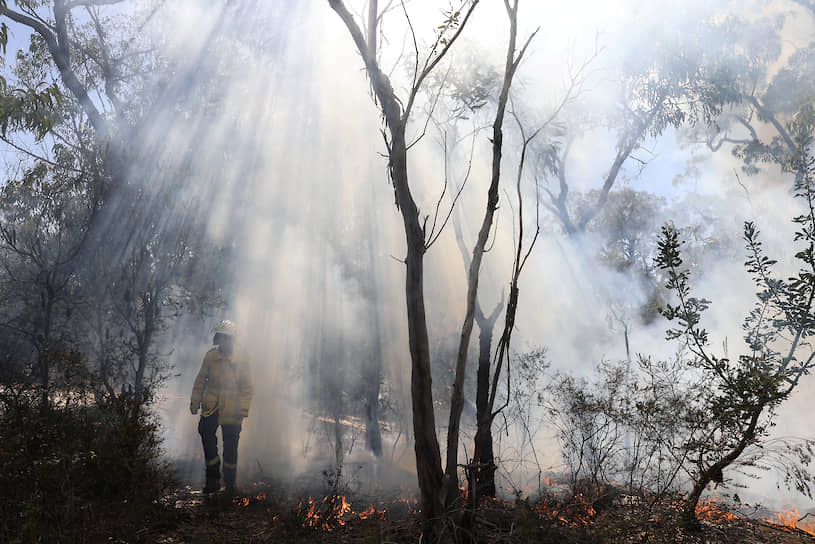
(746, 391)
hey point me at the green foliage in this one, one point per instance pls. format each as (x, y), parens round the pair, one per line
(746, 391)
(451, 22)
(688, 312)
(28, 109)
(66, 467)
(741, 59)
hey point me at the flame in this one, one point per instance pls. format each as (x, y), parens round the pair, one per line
(328, 514)
(790, 519)
(371, 512)
(577, 513)
(334, 511)
(712, 510)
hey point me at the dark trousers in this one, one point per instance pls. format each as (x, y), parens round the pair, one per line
(207, 427)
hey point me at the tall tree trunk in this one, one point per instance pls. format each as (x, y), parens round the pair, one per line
(426, 445)
(45, 351)
(457, 397)
(373, 381)
(373, 368)
(483, 479)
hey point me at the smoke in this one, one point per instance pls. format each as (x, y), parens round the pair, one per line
(273, 141)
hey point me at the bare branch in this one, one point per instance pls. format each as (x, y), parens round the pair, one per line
(372, 25)
(432, 108)
(108, 71)
(432, 64)
(58, 47)
(415, 45)
(455, 199)
(768, 115)
(40, 157)
(76, 3)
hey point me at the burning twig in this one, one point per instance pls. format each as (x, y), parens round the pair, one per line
(790, 521)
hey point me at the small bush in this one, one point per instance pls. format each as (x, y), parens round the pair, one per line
(69, 472)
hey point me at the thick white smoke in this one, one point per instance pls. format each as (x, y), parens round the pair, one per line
(289, 158)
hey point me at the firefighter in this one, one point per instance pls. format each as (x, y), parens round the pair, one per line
(223, 392)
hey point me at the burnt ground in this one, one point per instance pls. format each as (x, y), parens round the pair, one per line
(260, 515)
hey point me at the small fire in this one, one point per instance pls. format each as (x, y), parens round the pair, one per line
(371, 512)
(792, 520)
(330, 513)
(245, 501)
(333, 512)
(577, 512)
(712, 510)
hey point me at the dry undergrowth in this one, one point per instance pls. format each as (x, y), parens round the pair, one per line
(260, 516)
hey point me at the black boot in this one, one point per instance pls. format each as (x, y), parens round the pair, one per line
(213, 484)
(213, 473)
(229, 478)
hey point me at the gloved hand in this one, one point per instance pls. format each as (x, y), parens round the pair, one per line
(193, 409)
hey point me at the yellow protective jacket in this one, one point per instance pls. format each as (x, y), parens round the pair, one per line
(224, 383)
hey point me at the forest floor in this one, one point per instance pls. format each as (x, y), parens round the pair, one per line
(260, 515)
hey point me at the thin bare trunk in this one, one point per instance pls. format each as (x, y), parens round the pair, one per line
(426, 445)
(457, 397)
(483, 480)
(373, 366)
(481, 474)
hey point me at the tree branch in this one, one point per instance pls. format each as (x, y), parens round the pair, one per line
(431, 65)
(58, 50)
(76, 3)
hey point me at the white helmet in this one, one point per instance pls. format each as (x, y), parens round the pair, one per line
(225, 327)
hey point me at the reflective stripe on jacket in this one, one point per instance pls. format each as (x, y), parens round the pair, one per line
(224, 383)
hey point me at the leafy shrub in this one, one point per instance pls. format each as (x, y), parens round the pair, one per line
(69, 471)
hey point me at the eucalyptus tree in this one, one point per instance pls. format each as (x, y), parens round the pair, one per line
(513, 60)
(397, 115)
(437, 492)
(759, 74)
(652, 98)
(97, 52)
(137, 261)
